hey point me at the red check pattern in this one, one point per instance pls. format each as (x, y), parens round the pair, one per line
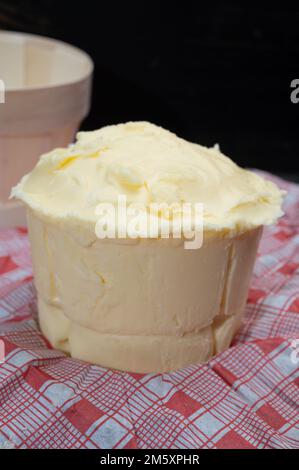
(246, 397)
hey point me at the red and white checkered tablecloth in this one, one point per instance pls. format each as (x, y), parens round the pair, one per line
(246, 397)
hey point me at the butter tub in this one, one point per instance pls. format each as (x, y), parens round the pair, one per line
(142, 304)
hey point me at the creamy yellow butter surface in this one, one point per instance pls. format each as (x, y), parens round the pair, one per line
(147, 164)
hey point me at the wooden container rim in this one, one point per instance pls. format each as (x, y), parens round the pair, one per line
(16, 36)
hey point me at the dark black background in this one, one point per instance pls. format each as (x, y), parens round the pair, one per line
(212, 71)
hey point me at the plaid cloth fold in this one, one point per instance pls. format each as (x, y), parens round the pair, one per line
(246, 397)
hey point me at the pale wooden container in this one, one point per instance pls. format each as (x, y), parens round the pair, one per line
(47, 95)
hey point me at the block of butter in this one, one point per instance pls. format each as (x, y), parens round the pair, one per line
(142, 304)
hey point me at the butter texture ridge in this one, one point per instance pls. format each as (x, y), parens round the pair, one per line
(147, 164)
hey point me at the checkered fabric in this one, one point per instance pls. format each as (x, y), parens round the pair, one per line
(246, 397)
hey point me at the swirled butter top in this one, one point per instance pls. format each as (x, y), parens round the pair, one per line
(147, 164)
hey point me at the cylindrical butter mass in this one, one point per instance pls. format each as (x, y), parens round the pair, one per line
(142, 305)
